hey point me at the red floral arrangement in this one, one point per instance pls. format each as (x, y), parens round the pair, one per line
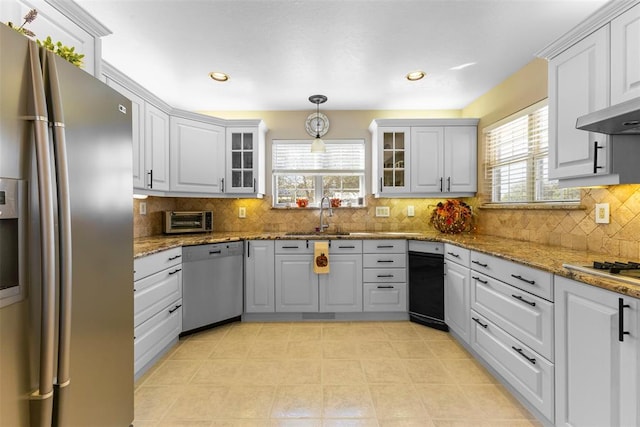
(452, 216)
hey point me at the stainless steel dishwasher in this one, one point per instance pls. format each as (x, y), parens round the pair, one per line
(212, 278)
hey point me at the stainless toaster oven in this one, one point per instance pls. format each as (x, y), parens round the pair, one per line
(187, 221)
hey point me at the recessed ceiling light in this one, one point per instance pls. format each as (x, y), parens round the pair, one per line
(218, 76)
(415, 75)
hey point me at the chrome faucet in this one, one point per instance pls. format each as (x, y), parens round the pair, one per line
(324, 226)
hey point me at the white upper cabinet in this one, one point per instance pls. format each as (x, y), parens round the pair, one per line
(156, 145)
(197, 156)
(63, 21)
(578, 84)
(424, 157)
(245, 153)
(625, 56)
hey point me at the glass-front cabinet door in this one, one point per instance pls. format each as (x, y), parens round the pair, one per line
(242, 155)
(394, 156)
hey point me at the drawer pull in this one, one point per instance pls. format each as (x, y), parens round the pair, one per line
(175, 308)
(385, 275)
(385, 287)
(518, 297)
(346, 247)
(385, 260)
(453, 254)
(484, 282)
(384, 246)
(290, 247)
(484, 325)
(480, 264)
(215, 252)
(621, 331)
(174, 257)
(517, 276)
(521, 353)
(171, 273)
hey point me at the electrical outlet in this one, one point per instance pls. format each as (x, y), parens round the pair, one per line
(382, 210)
(602, 213)
(242, 212)
(411, 210)
(143, 208)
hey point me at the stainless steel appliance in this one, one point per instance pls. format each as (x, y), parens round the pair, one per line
(618, 119)
(187, 222)
(66, 331)
(212, 285)
(628, 272)
(426, 284)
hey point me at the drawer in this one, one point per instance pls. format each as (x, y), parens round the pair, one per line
(384, 246)
(384, 275)
(457, 254)
(152, 336)
(528, 372)
(297, 247)
(154, 292)
(525, 316)
(384, 260)
(150, 264)
(391, 297)
(529, 279)
(345, 247)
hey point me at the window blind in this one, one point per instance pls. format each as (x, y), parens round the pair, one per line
(516, 160)
(342, 157)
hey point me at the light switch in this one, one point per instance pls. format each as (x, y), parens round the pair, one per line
(382, 210)
(242, 212)
(143, 208)
(411, 210)
(602, 213)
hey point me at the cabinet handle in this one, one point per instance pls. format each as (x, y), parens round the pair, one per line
(449, 184)
(290, 247)
(175, 308)
(595, 157)
(521, 353)
(453, 254)
(215, 252)
(484, 282)
(173, 257)
(222, 185)
(254, 185)
(381, 184)
(484, 325)
(150, 175)
(621, 331)
(384, 287)
(518, 297)
(248, 249)
(346, 247)
(385, 260)
(480, 264)
(171, 273)
(441, 184)
(384, 246)
(385, 275)
(517, 276)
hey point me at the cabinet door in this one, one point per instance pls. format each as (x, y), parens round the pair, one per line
(156, 145)
(456, 299)
(578, 84)
(460, 159)
(137, 125)
(243, 160)
(625, 56)
(296, 284)
(259, 287)
(197, 156)
(393, 149)
(427, 159)
(341, 289)
(597, 375)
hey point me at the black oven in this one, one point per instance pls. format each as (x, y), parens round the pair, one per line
(426, 284)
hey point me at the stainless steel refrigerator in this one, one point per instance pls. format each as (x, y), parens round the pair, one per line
(66, 243)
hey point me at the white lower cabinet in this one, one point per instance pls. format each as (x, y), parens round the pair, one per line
(385, 276)
(529, 373)
(298, 289)
(157, 300)
(259, 276)
(597, 356)
(385, 296)
(456, 290)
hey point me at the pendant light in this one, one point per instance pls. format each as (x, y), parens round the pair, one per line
(318, 146)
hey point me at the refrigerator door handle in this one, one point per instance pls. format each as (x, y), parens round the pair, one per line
(42, 399)
(64, 219)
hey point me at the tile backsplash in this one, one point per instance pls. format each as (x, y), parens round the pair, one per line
(570, 228)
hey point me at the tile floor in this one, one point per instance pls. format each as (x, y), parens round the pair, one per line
(323, 375)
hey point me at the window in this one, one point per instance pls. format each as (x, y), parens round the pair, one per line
(299, 173)
(517, 161)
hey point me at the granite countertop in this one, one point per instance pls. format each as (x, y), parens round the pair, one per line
(543, 257)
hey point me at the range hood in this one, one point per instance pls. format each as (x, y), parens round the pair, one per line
(619, 119)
